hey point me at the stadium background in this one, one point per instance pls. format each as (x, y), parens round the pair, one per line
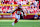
(30, 7)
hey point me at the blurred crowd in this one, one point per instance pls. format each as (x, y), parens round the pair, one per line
(33, 8)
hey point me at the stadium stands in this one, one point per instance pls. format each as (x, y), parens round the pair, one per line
(29, 7)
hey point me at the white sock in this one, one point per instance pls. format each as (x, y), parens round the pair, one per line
(13, 24)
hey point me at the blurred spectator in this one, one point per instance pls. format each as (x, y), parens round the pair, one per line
(2, 1)
(35, 16)
(30, 9)
(18, 2)
(35, 3)
(11, 2)
(6, 1)
(15, 2)
(35, 10)
(32, 6)
(39, 11)
(24, 2)
(39, 17)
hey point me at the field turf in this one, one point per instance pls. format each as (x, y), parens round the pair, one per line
(21, 23)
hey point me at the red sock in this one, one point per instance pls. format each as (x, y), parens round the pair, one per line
(16, 21)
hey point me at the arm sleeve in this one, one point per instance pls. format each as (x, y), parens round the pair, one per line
(13, 11)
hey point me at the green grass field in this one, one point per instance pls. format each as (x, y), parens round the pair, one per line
(21, 23)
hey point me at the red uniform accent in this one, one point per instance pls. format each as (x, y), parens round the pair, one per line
(18, 10)
(15, 21)
(16, 13)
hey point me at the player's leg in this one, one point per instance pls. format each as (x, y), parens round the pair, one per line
(14, 21)
(17, 17)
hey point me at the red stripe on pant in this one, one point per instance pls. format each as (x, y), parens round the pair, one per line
(15, 21)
